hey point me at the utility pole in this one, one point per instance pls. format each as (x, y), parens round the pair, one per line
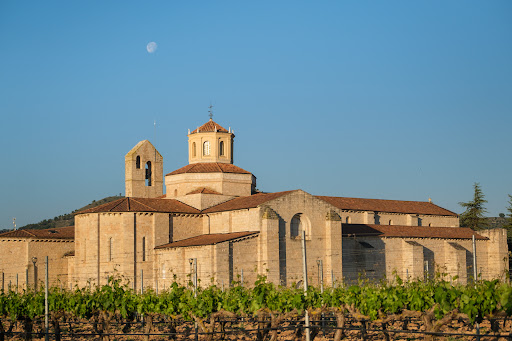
(141, 281)
(34, 261)
(193, 264)
(305, 280)
(46, 326)
(474, 259)
(320, 264)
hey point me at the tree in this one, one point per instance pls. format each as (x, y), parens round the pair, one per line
(508, 224)
(473, 217)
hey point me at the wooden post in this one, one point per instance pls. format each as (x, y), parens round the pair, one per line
(305, 280)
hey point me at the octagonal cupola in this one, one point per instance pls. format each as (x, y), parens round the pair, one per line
(210, 143)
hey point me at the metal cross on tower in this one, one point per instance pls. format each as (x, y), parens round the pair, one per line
(210, 111)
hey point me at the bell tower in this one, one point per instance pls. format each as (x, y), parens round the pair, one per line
(210, 143)
(143, 171)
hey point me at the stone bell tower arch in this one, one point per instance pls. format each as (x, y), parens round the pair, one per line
(143, 171)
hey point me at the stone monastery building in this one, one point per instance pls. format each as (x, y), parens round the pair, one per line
(212, 214)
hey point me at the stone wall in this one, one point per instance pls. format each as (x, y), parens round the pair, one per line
(229, 184)
(375, 258)
(17, 257)
(135, 178)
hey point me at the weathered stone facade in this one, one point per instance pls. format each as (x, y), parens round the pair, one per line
(212, 214)
(24, 256)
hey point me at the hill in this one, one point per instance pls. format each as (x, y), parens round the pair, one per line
(67, 219)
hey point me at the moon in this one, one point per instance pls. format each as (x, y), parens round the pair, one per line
(151, 47)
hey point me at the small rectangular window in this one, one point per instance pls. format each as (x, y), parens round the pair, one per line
(143, 249)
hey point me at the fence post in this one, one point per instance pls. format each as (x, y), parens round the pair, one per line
(193, 263)
(46, 336)
(141, 281)
(305, 280)
(34, 261)
(320, 275)
(474, 259)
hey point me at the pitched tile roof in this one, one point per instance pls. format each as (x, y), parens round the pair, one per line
(409, 231)
(210, 126)
(207, 239)
(394, 206)
(143, 205)
(210, 167)
(245, 202)
(203, 190)
(56, 233)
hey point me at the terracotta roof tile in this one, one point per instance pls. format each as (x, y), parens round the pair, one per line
(143, 205)
(203, 190)
(409, 231)
(245, 202)
(210, 167)
(207, 239)
(210, 126)
(56, 233)
(394, 206)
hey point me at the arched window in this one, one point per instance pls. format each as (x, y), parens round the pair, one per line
(390, 222)
(429, 224)
(143, 249)
(221, 148)
(175, 192)
(206, 148)
(148, 173)
(110, 244)
(137, 162)
(194, 152)
(347, 220)
(298, 224)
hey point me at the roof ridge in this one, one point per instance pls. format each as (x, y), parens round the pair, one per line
(140, 203)
(431, 203)
(27, 231)
(332, 196)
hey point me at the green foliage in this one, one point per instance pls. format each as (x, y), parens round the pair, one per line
(508, 224)
(66, 219)
(473, 217)
(115, 299)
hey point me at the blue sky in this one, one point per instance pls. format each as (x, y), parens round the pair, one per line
(375, 99)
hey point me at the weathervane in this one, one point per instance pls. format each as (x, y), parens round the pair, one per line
(210, 111)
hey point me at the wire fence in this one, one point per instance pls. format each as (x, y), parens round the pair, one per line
(249, 328)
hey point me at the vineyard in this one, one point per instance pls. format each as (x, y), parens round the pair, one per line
(405, 310)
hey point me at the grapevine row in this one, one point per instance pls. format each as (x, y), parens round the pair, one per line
(435, 301)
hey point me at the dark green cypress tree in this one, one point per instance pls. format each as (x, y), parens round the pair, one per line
(473, 217)
(508, 224)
